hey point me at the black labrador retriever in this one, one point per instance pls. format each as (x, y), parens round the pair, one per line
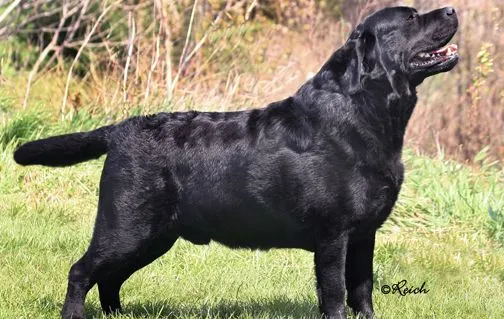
(320, 170)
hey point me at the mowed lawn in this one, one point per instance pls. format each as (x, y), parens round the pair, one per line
(447, 231)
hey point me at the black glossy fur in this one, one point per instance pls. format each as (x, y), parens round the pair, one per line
(320, 170)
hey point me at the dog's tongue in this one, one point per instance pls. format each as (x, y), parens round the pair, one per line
(447, 50)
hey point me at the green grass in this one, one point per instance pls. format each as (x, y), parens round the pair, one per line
(446, 230)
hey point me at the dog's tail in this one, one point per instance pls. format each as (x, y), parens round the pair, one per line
(65, 150)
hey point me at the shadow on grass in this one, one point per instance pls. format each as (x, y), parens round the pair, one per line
(270, 308)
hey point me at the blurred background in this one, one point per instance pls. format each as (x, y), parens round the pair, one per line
(86, 62)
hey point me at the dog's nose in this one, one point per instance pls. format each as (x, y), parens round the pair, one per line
(449, 11)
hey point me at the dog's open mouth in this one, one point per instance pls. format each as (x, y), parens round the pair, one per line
(431, 58)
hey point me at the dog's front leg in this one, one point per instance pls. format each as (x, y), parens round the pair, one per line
(359, 273)
(330, 254)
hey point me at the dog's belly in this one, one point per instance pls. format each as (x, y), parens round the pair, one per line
(244, 228)
(265, 240)
(251, 240)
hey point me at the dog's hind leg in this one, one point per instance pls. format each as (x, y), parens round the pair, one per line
(112, 257)
(79, 283)
(136, 223)
(110, 285)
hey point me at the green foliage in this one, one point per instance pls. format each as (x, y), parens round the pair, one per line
(232, 48)
(440, 192)
(16, 53)
(496, 225)
(26, 126)
(21, 128)
(80, 121)
(5, 103)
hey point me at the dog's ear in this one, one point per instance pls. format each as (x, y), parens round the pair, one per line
(364, 55)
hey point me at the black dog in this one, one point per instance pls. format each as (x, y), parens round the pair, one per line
(320, 170)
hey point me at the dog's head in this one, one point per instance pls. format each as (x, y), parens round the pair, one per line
(399, 42)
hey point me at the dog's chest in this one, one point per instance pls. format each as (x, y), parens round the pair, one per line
(376, 193)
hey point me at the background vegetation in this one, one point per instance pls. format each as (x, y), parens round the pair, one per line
(117, 58)
(76, 65)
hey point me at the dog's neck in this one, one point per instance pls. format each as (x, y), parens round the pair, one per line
(388, 112)
(385, 100)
